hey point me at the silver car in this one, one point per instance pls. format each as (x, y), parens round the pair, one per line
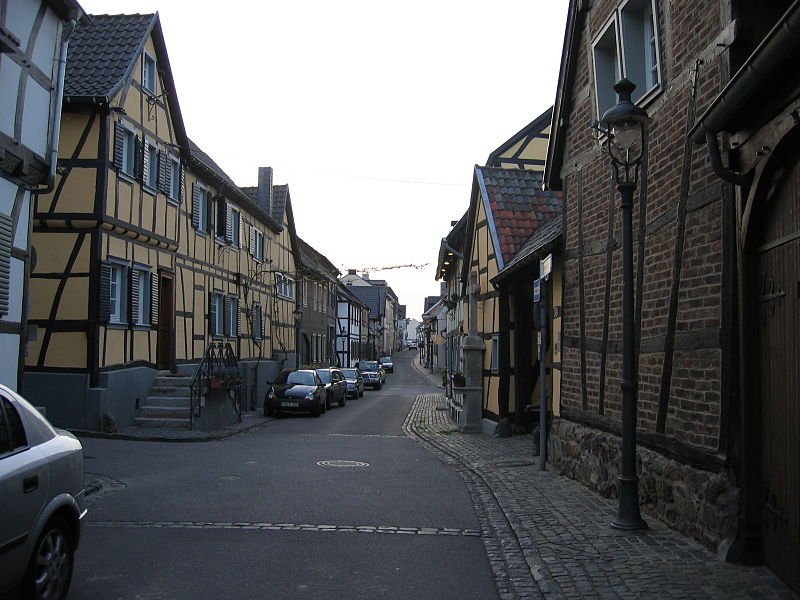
(42, 500)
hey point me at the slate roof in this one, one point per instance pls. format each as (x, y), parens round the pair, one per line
(209, 163)
(516, 206)
(373, 296)
(316, 261)
(101, 54)
(279, 195)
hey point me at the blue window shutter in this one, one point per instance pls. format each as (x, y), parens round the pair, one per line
(196, 206)
(212, 314)
(104, 290)
(154, 298)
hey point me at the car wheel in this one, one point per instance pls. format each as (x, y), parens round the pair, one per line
(361, 394)
(327, 404)
(268, 412)
(343, 401)
(317, 409)
(50, 570)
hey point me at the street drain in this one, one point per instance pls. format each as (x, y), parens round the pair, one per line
(342, 463)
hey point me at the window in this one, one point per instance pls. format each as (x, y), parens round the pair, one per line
(117, 293)
(284, 286)
(216, 314)
(236, 222)
(256, 244)
(201, 208)
(149, 73)
(495, 353)
(223, 210)
(233, 316)
(12, 432)
(125, 150)
(151, 165)
(140, 296)
(175, 178)
(627, 47)
(258, 322)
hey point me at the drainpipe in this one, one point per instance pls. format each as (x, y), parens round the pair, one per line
(69, 29)
(721, 171)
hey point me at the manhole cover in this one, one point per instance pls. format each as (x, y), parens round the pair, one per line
(342, 463)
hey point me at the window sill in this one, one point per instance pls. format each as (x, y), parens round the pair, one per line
(116, 325)
(141, 327)
(174, 201)
(129, 177)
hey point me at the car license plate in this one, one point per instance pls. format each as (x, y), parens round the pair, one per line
(290, 404)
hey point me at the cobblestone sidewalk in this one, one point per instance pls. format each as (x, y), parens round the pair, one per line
(547, 536)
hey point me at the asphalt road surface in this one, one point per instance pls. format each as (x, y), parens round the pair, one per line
(262, 515)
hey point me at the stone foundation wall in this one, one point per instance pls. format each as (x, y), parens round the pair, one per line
(700, 504)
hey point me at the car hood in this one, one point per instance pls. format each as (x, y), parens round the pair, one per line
(293, 390)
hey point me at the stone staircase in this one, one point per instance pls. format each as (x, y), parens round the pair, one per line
(167, 405)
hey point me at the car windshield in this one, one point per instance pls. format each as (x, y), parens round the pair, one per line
(301, 378)
(324, 375)
(369, 365)
(350, 373)
(386, 359)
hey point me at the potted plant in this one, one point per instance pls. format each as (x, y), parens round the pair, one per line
(225, 377)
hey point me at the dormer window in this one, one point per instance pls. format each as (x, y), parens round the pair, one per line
(149, 73)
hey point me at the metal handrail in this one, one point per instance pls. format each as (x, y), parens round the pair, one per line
(219, 361)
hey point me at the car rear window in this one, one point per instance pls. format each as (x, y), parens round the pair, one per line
(349, 373)
(324, 375)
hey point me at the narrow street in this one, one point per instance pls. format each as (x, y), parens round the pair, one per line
(261, 514)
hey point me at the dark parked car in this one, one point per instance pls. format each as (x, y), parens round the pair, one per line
(296, 391)
(335, 386)
(42, 501)
(387, 363)
(372, 373)
(355, 382)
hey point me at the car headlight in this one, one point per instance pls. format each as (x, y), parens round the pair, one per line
(271, 394)
(310, 395)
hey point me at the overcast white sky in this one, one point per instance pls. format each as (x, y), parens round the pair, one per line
(373, 112)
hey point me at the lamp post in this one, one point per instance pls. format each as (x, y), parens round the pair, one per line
(626, 132)
(298, 316)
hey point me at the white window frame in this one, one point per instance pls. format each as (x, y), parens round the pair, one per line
(258, 251)
(631, 35)
(150, 178)
(219, 314)
(203, 220)
(118, 293)
(143, 310)
(128, 166)
(236, 234)
(149, 73)
(175, 178)
(234, 324)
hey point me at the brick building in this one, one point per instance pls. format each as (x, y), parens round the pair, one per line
(702, 418)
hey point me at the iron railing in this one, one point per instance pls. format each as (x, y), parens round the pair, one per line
(219, 366)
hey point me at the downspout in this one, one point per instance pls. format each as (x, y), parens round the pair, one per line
(451, 249)
(69, 29)
(721, 170)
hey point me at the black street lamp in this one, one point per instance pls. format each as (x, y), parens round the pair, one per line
(626, 133)
(298, 316)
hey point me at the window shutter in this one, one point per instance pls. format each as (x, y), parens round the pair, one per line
(104, 290)
(119, 145)
(238, 318)
(210, 216)
(133, 284)
(226, 325)
(252, 245)
(212, 314)
(183, 185)
(6, 241)
(241, 229)
(145, 162)
(154, 298)
(195, 206)
(228, 223)
(256, 322)
(138, 152)
(164, 164)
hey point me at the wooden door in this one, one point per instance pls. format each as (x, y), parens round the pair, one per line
(778, 259)
(166, 321)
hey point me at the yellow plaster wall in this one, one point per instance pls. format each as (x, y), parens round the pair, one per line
(67, 350)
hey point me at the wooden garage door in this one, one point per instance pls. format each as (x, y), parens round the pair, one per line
(779, 373)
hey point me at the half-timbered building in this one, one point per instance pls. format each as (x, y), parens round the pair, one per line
(318, 280)
(148, 250)
(352, 322)
(716, 267)
(34, 41)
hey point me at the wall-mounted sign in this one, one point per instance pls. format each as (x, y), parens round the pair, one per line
(546, 266)
(537, 290)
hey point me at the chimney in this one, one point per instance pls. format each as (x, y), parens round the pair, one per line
(365, 276)
(264, 197)
(351, 271)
